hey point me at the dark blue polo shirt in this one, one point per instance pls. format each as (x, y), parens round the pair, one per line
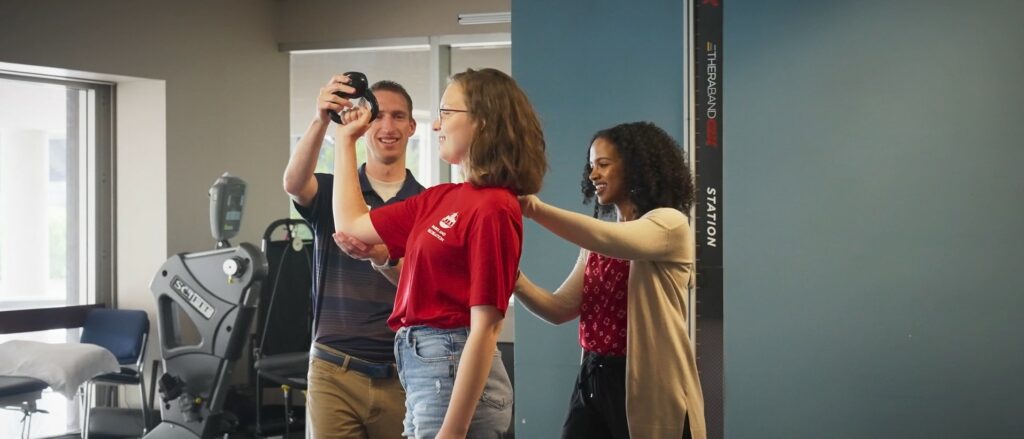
(353, 301)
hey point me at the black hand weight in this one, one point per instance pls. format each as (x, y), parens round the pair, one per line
(357, 81)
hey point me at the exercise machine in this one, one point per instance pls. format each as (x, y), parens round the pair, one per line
(206, 303)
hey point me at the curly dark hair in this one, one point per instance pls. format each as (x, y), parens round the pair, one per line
(656, 173)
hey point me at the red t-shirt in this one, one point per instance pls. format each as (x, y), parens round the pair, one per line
(461, 245)
(603, 310)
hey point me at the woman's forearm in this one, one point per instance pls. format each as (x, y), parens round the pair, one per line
(641, 239)
(351, 216)
(552, 308)
(348, 201)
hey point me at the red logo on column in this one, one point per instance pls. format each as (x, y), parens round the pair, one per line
(712, 132)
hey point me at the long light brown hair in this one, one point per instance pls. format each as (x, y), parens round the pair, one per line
(508, 146)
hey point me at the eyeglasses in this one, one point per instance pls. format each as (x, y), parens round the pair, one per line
(448, 112)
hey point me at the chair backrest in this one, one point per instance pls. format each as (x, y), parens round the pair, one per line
(121, 331)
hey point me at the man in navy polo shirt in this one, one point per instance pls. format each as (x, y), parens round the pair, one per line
(353, 385)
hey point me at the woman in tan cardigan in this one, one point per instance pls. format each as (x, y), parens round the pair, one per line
(630, 289)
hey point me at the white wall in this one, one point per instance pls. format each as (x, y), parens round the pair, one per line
(141, 214)
(226, 85)
(319, 21)
(479, 57)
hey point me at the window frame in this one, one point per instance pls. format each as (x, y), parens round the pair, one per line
(97, 273)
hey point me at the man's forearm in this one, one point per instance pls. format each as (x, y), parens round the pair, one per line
(302, 163)
(392, 274)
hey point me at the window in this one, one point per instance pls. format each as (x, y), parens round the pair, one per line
(56, 226)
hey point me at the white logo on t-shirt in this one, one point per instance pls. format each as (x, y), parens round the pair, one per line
(447, 223)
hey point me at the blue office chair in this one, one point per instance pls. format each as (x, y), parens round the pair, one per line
(124, 333)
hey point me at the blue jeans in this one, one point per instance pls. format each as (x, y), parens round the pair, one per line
(428, 359)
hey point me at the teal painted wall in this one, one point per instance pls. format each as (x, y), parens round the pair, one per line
(873, 198)
(586, 65)
(874, 203)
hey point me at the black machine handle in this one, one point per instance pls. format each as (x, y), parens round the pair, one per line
(358, 81)
(267, 234)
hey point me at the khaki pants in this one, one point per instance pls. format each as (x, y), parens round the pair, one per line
(347, 404)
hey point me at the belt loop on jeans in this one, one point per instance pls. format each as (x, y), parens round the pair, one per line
(344, 364)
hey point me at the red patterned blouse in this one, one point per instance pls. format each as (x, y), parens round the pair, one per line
(603, 310)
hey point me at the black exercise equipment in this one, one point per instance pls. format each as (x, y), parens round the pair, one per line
(206, 303)
(284, 330)
(359, 82)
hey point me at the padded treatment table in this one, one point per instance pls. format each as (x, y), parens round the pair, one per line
(17, 391)
(21, 393)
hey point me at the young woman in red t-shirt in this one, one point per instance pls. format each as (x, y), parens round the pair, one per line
(461, 244)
